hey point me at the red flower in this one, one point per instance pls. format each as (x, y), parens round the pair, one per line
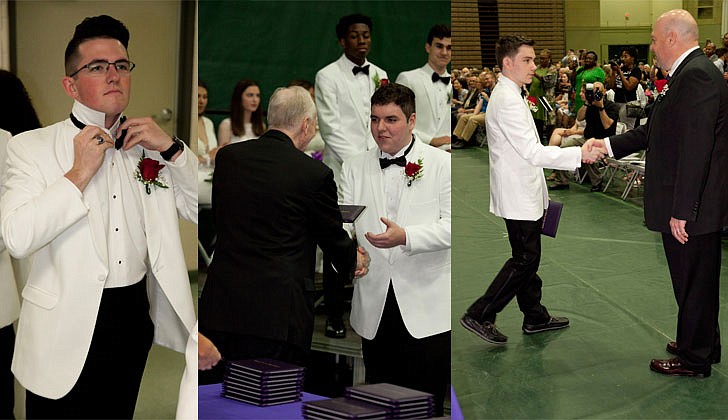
(147, 173)
(411, 169)
(532, 99)
(383, 82)
(149, 168)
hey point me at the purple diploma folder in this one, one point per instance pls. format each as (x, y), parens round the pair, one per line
(551, 218)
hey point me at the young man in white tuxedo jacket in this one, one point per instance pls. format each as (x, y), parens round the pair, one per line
(518, 194)
(401, 309)
(102, 237)
(431, 85)
(343, 89)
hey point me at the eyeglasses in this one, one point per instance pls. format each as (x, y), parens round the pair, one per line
(101, 67)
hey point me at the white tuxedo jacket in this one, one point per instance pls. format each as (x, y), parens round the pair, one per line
(432, 106)
(421, 275)
(9, 302)
(517, 185)
(45, 219)
(343, 114)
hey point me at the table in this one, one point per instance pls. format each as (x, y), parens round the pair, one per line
(211, 405)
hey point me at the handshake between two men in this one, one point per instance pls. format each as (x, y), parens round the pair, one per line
(592, 150)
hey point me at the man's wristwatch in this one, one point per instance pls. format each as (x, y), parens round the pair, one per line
(176, 146)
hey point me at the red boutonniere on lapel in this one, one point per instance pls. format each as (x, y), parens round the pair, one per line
(148, 173)
(413, 171)
(531, 102)
(379, 82)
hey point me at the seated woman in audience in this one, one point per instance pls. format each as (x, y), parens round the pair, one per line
(564, 103)
(206, 140)
(246, 115)
(458, 93)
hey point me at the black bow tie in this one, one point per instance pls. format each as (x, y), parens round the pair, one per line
(363, 69)
(399, 161)
(117, 143)
(524, 93)
(437, 78)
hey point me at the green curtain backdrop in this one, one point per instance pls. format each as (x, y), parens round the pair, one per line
(274, 42)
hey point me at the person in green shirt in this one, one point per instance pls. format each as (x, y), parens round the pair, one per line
(542, 84)
(588, 73)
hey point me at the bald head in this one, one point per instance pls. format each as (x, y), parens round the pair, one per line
(292, 111)
(674, 33)
(682, 23)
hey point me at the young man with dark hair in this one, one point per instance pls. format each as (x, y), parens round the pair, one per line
(343, 90)
(431, 85)
(89, 201)
(401, 309)
(518, 194)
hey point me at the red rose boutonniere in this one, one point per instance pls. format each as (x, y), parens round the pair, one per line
(413, 171)
(379, 82)
(148, 173)
(531, 101)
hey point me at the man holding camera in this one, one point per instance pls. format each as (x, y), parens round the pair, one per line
(601, 117)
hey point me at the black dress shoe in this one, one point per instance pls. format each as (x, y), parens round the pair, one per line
(674, 367)
(596, 188)
(672, 349)
(554, 323)
(559, 187)
(487, 331)
(335, 328)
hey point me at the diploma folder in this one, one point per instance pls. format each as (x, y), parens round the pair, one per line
(551, 218)
(350, 212)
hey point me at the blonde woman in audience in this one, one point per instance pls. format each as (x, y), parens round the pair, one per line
(246, 115)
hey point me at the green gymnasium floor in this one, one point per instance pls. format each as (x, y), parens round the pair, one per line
(608, 274)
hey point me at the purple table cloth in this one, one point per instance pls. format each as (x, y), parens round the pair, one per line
(213, 406)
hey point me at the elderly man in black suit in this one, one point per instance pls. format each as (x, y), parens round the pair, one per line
(686, 195)
(272, 205)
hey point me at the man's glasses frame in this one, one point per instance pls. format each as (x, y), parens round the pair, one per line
(101, 67)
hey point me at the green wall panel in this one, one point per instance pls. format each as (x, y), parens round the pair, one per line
(274, 42)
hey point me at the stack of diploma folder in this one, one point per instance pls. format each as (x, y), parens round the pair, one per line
(263, 382)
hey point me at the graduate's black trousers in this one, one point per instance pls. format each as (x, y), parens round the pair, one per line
(109, 382)
(517, 278)
(7, 383)
(395, 357)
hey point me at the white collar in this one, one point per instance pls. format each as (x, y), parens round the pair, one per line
(90, 116)
(510, 83)
(680, 59)
(428, 68)
(413, 141)
(350, 64)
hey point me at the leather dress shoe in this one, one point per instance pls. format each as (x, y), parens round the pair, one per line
(461, 144)
(672, 349)
(487, 330)
(674, 367)
(335, 328)
(596, 188)
(559, 187)
(554, 323)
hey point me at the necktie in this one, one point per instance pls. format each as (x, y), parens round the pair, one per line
(437, 78)
(399, 161)
(363, 69)
(117, 144)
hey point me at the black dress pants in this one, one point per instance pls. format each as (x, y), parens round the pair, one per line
(695, 273)
(109, 382)
(395, 357)
(7, 383)
(517, 277)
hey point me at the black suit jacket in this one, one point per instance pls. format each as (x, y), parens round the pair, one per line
(272, 205)
(686, 143)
